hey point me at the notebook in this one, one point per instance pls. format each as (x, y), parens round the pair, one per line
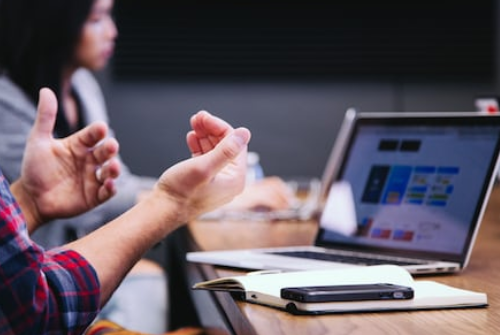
(265, 289)
(402, 188)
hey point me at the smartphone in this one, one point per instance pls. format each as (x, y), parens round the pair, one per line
(381, 291)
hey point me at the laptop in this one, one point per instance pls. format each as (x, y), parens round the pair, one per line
(404, 188)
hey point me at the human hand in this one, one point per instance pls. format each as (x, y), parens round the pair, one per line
(268, 194)
(216, 172)
(59, 177)
(212, 177)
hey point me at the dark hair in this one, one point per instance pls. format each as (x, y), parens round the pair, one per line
(38, 39)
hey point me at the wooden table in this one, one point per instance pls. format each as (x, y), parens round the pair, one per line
(219, 313)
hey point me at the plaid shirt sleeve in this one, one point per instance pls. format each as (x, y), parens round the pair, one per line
(42, 292)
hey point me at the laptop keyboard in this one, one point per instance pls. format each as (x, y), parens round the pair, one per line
(350, 259)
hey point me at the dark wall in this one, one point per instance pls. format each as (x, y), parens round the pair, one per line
(294, 119)
(294, 40)
(293, 124)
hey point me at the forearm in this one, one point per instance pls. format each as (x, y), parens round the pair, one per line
(114, 248)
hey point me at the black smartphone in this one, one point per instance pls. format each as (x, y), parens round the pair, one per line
(382, 291)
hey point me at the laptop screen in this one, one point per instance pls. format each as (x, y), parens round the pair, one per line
(414, 184)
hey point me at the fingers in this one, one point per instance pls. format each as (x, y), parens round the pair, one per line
(105, 151)
(206, 124)
(228, 150)
(105, 176)
(91, 135)
(193, 145)
(46, 114)
(207, 131)
(106, 191)
(274, 191)
(92, 140)
(108, 171)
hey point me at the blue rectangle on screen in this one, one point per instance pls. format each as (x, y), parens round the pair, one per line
(448, 170)
(425, 169)
(396, 184)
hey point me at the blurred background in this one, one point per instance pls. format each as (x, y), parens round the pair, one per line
(288, 70)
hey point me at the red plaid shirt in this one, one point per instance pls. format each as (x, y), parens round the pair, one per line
(41, 292)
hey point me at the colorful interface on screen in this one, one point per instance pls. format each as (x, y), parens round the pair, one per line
(415, 187)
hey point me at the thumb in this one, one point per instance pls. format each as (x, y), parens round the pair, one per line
(46, 114)
(228, 150)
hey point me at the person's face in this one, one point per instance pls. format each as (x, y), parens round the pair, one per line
(97, 40)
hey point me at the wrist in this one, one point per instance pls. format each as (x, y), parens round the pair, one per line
(27, 205)
(162, 212)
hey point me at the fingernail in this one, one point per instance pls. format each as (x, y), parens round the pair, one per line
(242, 136)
